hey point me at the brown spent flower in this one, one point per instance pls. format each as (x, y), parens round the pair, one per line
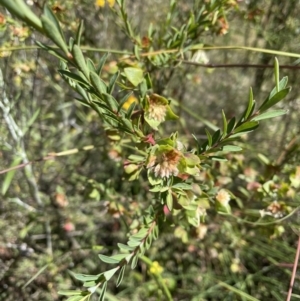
(165, 164)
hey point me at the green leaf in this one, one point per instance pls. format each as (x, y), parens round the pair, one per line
(79, 33)
(134, 75)
(73, 76)
(169, 200)
(246, 127)
(90, 284)
(98, 83)
(119, 257)
(275, 99)
(183, 186)
(140, 235)
(134, 261)
(76, 298)
(216, 137)
(133, 243)
(83, 93)
(111, 102)
(250, 107)
(51, 50)
(22, 11)
(209, 137)
(231, 148)
(121, 275)
(80, 61)
(103, 291)
(112, 82)
(270, 114)
(218, 158)
(49, 14)
(107, 259)
(69, 292)
(9, 176)
(90, 64)
(125, 247)
(108, 274)
(230, 125)
(170, 115)
(101, 63)
(83, 277)
(54, 34)
(224, 124)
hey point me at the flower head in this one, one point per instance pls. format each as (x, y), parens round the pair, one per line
(157, 109)
(165, 164)
(223, 197)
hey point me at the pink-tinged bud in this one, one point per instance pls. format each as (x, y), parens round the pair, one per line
(166, 210)
(69, 227)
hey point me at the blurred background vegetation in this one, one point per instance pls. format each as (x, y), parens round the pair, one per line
(56, 215)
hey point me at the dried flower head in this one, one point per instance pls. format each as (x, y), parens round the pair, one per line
(157, 110)
(223, 197)
(165, 164)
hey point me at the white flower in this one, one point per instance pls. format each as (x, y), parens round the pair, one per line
(157, 110)
(223, 197)
(165, 164)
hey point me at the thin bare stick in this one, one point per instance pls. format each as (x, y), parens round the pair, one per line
(288, 298)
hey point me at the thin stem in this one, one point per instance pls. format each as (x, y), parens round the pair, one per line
(288, 298)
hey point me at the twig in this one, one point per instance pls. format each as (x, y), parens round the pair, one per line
(259, 66)
(288, 298)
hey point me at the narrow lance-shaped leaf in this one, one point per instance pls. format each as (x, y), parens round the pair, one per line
(49, 14)
(97, 83)
(69, 292)
(52, 51)
(74, 76)
(169, 200)
(230, 125)
(101, 63)
(103, 291)
(80, 61)
(251, 105)
(90, 65)
(107, 259)
(224, 124)
(52, 32)
(79, 33)
(108, 274)
(76, 298)
(112, 82)
(121, 275)
(23, 12)
(275, 99)
(270, 114)
(209, 137)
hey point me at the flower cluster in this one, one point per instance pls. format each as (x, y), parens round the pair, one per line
(157, 110)
(165, 164)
